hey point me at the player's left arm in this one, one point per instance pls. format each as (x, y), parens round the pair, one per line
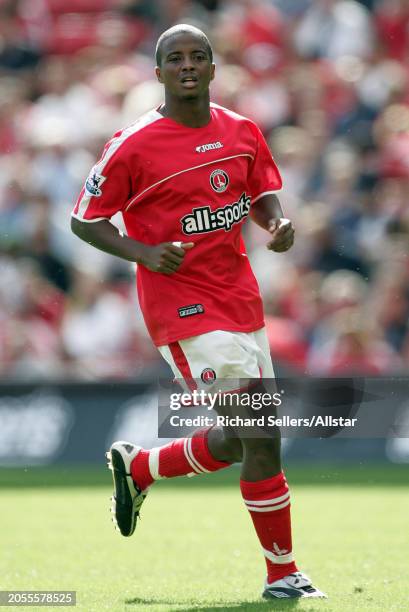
(268, 214)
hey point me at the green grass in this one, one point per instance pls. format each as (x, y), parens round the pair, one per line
(195, 548)
(362, 474)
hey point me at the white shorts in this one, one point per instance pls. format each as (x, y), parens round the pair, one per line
(205, 360)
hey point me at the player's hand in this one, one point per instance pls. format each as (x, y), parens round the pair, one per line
(166, 257)
(282, 233)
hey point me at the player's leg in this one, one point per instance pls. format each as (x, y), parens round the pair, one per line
(263, 484)
(135, 469)
(181, 457)
(266, 495)
(236, 358)
(225, 445)
(264, 488)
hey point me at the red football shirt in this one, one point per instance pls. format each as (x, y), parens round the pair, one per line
(176, 183)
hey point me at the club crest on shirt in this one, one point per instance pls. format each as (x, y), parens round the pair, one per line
(219, 180)
(93, 184)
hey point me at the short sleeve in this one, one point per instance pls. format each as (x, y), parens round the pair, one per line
(107, 188)
(264, 176)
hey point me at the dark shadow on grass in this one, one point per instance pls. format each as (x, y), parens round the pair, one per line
(224, 605)
(245, 607)
(144, 601)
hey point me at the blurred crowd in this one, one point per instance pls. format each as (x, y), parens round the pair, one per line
(328, 83)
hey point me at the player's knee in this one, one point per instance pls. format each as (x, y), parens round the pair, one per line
(235, 449)
(262, 449)
(224, 446)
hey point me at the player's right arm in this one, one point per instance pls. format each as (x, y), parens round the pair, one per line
(106, 192)
(165, 257)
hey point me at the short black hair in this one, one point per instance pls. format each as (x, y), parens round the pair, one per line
(181, 28)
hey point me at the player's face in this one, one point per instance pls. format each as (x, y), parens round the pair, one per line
(186, 69)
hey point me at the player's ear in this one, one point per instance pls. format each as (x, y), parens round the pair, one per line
(158, 74)
(212, 71)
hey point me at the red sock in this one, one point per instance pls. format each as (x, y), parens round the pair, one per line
(182, 457)
(268, 502)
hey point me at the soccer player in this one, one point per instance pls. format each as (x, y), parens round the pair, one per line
(185, 177)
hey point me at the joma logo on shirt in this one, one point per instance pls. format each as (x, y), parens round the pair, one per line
(209, 147)
(203, 219)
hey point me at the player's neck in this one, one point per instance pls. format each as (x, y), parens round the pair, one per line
(191, 113)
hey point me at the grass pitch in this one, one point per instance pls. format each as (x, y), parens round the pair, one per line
(195, 548)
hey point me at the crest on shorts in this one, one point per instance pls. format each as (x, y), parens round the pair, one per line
(208, 376)
(219, 180)
(93, 184)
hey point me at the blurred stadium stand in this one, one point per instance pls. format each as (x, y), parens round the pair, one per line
(328, 83)
(74, 423)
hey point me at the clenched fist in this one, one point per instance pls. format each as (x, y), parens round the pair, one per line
(282, 233)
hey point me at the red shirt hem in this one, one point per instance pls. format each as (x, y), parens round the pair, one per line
(235, 328)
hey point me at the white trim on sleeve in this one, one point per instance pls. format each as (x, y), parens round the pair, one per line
(113, 145)
(89, 220)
